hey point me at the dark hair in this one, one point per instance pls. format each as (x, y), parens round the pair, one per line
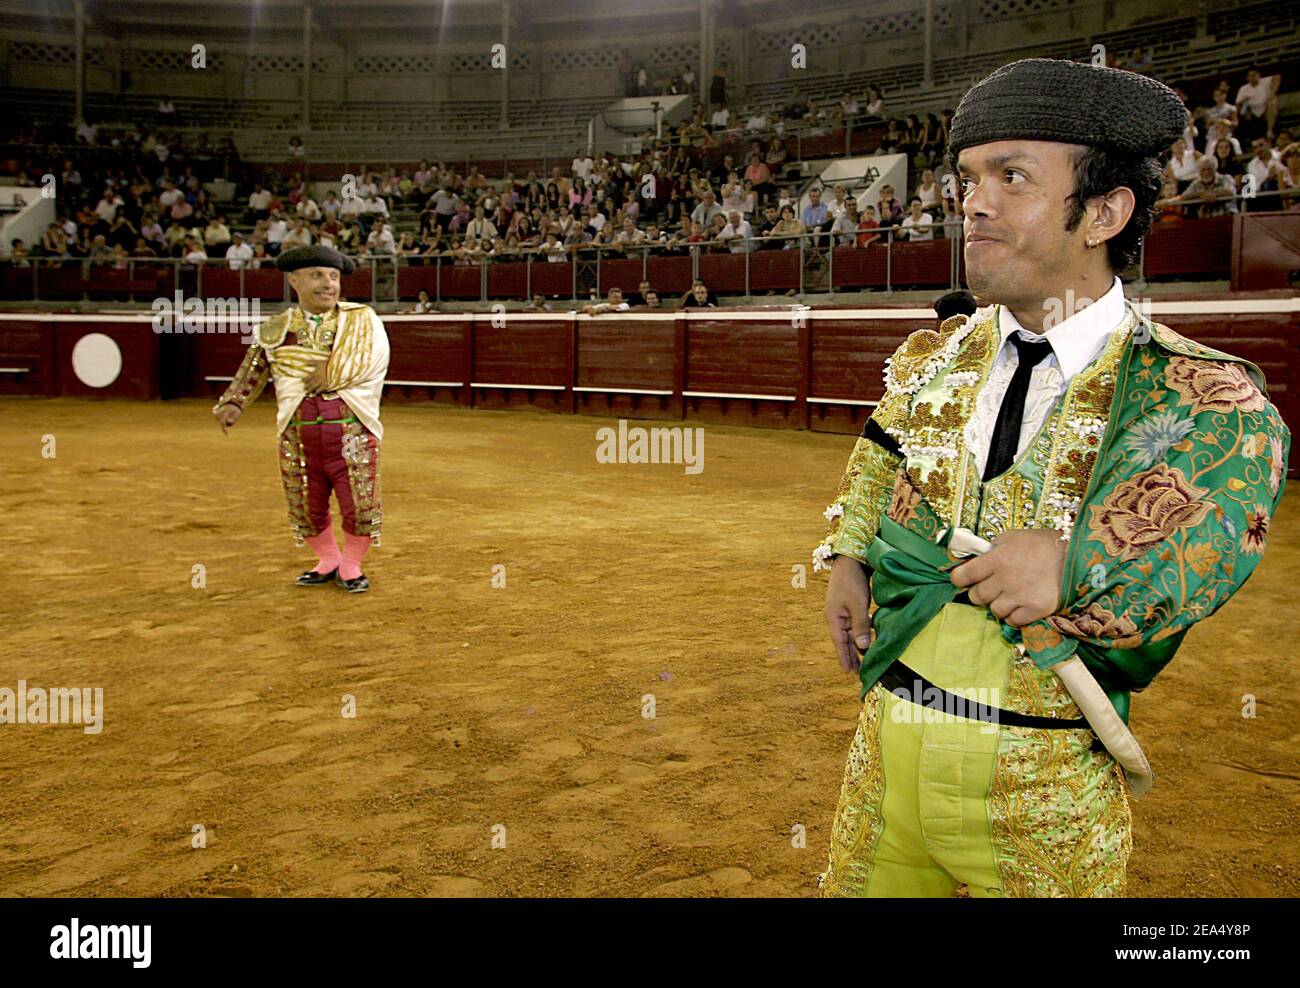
(1098, 171)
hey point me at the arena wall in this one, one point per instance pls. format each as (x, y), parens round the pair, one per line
(818, 369)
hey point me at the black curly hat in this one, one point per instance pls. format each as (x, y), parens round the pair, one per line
(1049, 99)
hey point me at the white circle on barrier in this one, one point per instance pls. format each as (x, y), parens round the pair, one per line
(96, 360)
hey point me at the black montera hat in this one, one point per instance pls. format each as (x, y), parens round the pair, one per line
(315, 256)
(1048, 99)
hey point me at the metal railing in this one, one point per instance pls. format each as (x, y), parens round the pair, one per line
(587, 275)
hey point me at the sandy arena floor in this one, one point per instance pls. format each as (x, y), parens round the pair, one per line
(519, 708)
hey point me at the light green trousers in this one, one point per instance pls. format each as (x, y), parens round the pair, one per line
(932, 802)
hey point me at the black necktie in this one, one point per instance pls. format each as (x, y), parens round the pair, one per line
(1006, 434)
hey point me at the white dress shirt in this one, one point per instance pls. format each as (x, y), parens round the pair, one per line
(1076, 342)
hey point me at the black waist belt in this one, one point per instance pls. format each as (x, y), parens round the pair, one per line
(907, 684)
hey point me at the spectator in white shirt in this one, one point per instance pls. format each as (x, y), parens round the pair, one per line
(350, 208)
(276, 230)
(721, 117)
(239, 253)
(1183, 160)
(757, 121)
(374, 206)
(553, 250)
(381, 240)
(1257, 103)
(299, 236)
(258, 202)
(170, 195)
(480, 226)
(613, 303)
(918, 225)
(330, 205)
(1266, 169)
(737, 233)
(108, 206)
(308, 210)
(582, 165)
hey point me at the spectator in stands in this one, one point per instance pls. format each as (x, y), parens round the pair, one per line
(721, 117)
(688, 79)
(552, 250)
(298, 236)
(107, 207)
(1139, 61)
(910, 144)
(580, 194)
(18, 254)
(422, 304)
(380, 240)
(443, 205)
(142, 249)
(461, 218)
(1220, 119)
(737, 233)
(296, 148)
(1211, 192)
(54, 242)
(122, 233)
(349, 237)
(706, 210)
(1265, 169)
(613, 303)
(239, 253)
(538, 304)
(789, 229)
(866, 224)
(276, 231)
(927, 190)
(892, 139)
(174, 240)
(628, 235)
(889, 207)
(194, 252)
(406, 246)
(1225, 159)
(651, 299)
(775, 157)
(874, 111)
(1169, 206)
(918, 225)
(216, 237)
(480, 226)
(845, 226)
(1256, 104)
(816, 217)
(1182, 166)
(308, 209)
(259, 203)
(699, 297)
(350, 209)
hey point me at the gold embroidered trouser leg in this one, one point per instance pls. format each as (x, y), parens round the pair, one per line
(931, 801)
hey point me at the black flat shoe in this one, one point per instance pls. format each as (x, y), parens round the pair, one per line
(313, 579)
(359, 585)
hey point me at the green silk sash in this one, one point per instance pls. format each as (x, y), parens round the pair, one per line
(910, 586)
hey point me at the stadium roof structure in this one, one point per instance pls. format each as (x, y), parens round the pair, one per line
(392, 21)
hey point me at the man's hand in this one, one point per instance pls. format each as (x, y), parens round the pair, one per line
(1019, 579)
(848, 606)
(315, 381)
(227, 415)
